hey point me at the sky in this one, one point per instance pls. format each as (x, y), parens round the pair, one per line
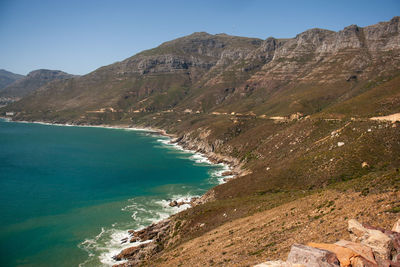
(79, 36)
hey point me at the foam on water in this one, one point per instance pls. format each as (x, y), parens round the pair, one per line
(217, 174)
(149, 130)
(145, 211)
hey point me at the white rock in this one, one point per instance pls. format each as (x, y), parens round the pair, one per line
(339, 144)
(396, 227)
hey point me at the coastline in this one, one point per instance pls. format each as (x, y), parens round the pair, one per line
(163, 224)
(181, 143)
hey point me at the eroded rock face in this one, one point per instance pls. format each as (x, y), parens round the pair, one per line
(312, 257)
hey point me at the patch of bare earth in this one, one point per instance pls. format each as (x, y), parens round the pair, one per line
(268, 235)
(393, 118)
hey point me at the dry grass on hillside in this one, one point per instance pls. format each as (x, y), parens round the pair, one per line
(268, 235)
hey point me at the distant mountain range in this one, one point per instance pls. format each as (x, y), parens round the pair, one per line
(34, 80)
(7, 78)
(19, 86)
(318, 70)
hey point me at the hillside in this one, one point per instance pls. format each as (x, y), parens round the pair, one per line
(27, 84)
(7, 78)
(291, 115)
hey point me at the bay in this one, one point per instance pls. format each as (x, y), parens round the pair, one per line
(69, 194)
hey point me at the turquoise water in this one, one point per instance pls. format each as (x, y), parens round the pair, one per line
(68, 194)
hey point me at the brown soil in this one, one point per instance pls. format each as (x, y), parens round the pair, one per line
(268, 235)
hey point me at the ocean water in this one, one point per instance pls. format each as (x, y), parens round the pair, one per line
(69, 194)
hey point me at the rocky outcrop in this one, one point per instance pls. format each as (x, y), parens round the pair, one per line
(312, 257)
(345, 255)
(380, 243)
(148, 243)
(201, 143)
(383, 36)
(361, 250)
(196, 51)
(178, 203)
(371, 247)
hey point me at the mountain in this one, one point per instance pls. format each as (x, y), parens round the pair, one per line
(7, 78)
(32, 82)
(317, 69)
(303, 122)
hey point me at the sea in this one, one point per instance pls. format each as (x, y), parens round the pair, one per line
(68, 195)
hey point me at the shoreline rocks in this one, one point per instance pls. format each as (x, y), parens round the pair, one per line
(178, 203)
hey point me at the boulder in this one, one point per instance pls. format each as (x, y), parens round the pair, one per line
(387, 263)
(227, 173)
(362, 262)
(364, 165)
(311, 257)
(394, 236)
(278, 264)
(396, 226)
(173, 203)
(380, 243)
(344, 255)
(180, 203)
(127, 253)
(134, 239)
(193, 200)
(362, 250)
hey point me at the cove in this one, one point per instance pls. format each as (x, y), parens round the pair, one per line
(69, 194)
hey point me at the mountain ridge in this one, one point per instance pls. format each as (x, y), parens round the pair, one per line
(249, 66)
(31, 82)
(7, 78)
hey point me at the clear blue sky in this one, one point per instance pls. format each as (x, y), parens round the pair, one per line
(80, 36)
